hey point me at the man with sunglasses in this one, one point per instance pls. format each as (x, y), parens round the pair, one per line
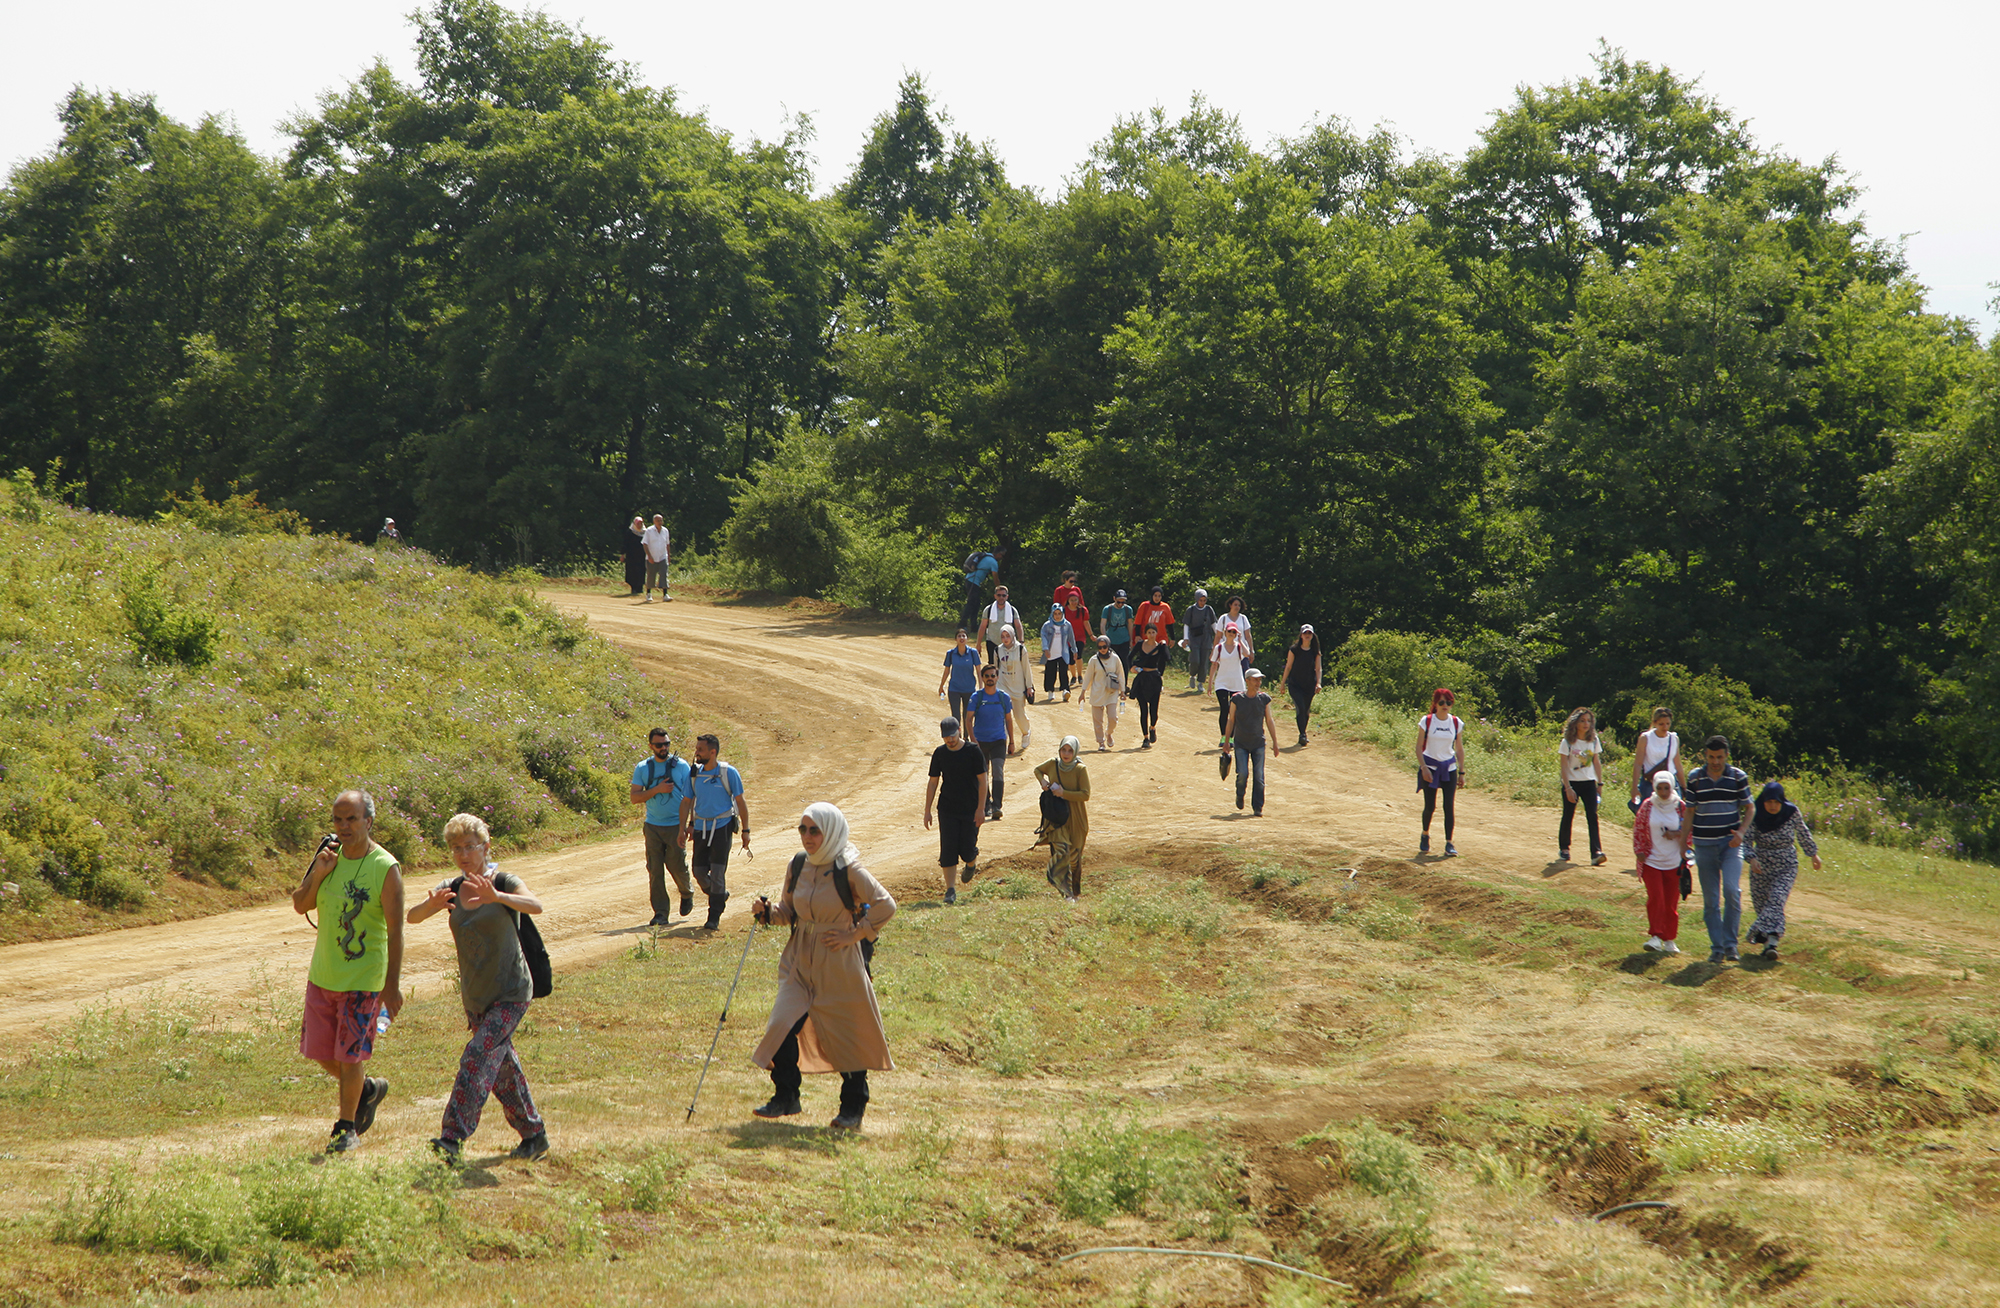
(989, 720)
(709, 815)
(661, 781)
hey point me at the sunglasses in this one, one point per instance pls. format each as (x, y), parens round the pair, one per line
(808, 829)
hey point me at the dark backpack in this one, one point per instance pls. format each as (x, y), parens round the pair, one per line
(972, 560)
(541, 976)
(1055, 810)
(842, 886)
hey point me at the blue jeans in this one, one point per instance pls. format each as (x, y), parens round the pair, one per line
(1245, 756)
(1719, 865)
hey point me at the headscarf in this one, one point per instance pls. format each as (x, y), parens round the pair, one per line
(1075, 753)
(1653, 790)
(832, 824)
(1786, 811)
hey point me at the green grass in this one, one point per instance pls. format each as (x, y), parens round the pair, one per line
(141, 784)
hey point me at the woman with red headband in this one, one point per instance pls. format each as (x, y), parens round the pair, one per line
(1440, 764)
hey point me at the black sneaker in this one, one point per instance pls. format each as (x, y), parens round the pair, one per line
(687, 905)
(535, 1146)
(997, 815)
(1239, 801)
(778, 1108)
(448, 1150)
(373, 1091)
(1771, 949)
(345, 1139)
(1715, 955)
(950, 897)
(1562, 856)
(971, 871)
(1730, 956)
(849, 1120)
(660, 920)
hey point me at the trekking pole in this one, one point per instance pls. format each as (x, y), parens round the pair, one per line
(720, 1020)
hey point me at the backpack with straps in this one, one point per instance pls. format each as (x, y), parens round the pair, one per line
(541, 976)
(842, 886)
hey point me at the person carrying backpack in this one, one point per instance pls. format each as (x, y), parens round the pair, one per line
(661, 781)
(980, 567)
(825, 1018)
(709, 816)
(1065, 822)
(494, 983)
(1440, 765)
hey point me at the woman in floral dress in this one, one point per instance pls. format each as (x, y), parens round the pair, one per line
(1774, 862)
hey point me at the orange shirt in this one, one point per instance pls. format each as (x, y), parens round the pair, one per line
(1152, 613)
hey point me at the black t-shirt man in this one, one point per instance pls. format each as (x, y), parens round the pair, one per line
(1249, 729)
(959, 770)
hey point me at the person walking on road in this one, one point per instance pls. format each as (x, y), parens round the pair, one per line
(659, 548)
(1078, 614)
(1198, 637)
(1249, 728)
(1065, 822)
(1304, 671)
(1104, 691)
(1058, 651)
(357, 961)
(1774, 862)
(1657, 749)
(1226, 663)
(1154, 612)
(825, 1018)
(1720, 794)
(980, 566)
(635, 555)
(1440, 765)
(662, 781)
(714, 811)
(989, 720)
(1068, 591)
(1115, 625)
(1581, 767)
(958, 786)
(1659, 850)
(961, 673)
(480, 904)
(1012, 661)
(999, 616)
(1149, 671)
(1232, 613)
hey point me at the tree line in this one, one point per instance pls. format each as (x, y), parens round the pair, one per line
(1618, 389)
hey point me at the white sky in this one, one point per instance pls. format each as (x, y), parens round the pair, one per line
(1906, 95)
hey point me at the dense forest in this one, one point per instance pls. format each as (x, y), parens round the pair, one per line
(1615, 402)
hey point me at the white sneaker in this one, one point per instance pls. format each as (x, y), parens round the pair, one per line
(1654, 943)
(647, 600)
(1669, 947)
(1027, 739)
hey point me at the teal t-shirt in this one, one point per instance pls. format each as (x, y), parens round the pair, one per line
(664, 810)
(1117, 624)
(352, 952)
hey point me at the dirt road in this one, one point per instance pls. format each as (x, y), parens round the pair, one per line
(819, 708)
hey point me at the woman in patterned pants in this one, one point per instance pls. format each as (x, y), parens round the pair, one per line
(1774, 863)
(493, 983)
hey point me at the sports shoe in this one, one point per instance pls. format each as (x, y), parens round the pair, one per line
(535, 1146)
(1715, 955)
(345, 1139)
(373, 1091)
(666, 598)
(687, 905)
(448, 1150)
(1755, 937)
(660, 920)
(1256, 812)
(1027, 739)
(1654, 943)
(849, 1120)
(1669, 947)
(1424, 843)
(1450, 850)
(971, 871)
(1302, 740)
(1731, 956)
(778, 1108)
(1065, 697)
(1770, 950)
(997, 815)
(1239, 802)
(951, 895)
(1147, 743)
(647, 600)
(1562, 855)
(1598, 859)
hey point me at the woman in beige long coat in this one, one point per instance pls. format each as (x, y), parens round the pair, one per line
(1065, 778)
(825, 1018)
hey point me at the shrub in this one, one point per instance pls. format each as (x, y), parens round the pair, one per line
(1401, 669)
(557, 762)
(784, 529)
(894, 572)
(165, 632)
(239, 515)
(1105, 1168)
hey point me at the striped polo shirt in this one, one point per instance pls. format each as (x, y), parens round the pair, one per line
(1717, 801)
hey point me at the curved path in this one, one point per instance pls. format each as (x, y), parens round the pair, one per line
(816, 708)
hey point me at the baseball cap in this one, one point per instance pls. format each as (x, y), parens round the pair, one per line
(1199, 591)
(1307, 626)
(1119, 595)
(948, 727)
(1252, 672)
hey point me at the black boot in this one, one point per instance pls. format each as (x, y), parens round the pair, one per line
(715, 904)
(853, 1101)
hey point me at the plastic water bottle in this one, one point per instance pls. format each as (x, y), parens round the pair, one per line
(382, 1022)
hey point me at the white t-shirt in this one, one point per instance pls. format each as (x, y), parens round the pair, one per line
(1013, 664)
(658, 541)
(1664, 824)
(1441, 736)
(1228, 666)
(1242, 624)
(1654, 751)
(1581, 755)
(1000, 615)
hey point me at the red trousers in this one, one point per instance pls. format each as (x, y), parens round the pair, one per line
(1663, 900)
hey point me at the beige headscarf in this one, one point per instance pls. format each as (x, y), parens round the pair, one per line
(834, 844)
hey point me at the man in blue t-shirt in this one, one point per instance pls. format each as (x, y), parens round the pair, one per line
(708, 816)
(980, 567)
(660, 782)
(1719, 795)
(989, 720)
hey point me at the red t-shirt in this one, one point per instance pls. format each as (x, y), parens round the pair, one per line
(1079, 622)
(1151, 613)
(1064, 592)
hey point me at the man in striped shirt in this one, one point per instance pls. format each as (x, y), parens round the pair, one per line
(1719, 794)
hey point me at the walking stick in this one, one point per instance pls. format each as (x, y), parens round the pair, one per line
(720, 1020)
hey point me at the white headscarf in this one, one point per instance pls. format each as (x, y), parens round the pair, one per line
(832, 824)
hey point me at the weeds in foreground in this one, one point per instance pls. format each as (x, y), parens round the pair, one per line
(1105, 1168)
(1711, 1144)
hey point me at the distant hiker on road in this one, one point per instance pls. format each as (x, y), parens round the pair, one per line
(989, 721)
(663, 782)
(961, 674)
(958, 785)
(825, 1018)
(708, 817)
(1304, 671)
(1440, 765)
(1249, 728)
(1774, 863)
(1198, 637)
(1154, 612)
(1067, 592)
(1149, 670)
(1012, 661)
(1720, 794)
(357, 962)
(1104, 691)
(997, 615)
(1659, 849)
(493, 984)
(634, 555)
(1115, 625)
(1657, 749)
(1581, 767)
(1232, 613)
(1058, 651)
(1226, 663)
(659, 548)
(980, 566)
(1065, 821)
(1078, 614)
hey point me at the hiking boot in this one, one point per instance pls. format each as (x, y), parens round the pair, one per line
(849, 1120)
(778, 1107)
(448, 1150)
(345, 1139)
(660, 920)
(535, 1146)
(951, 896)
(715, 906)
(687, 905)
(373, 1091)
(1424, 843)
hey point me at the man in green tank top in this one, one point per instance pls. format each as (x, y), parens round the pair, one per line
(357, 964)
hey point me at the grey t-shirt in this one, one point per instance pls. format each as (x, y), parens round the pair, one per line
(1249, 731)
(491, 967)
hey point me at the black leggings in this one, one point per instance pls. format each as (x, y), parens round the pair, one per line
(1302, 704)
(1050, 671)
(1586, 795)
(1147, 692)
(1450, 789)
(786, 1078)
(1222, 711)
